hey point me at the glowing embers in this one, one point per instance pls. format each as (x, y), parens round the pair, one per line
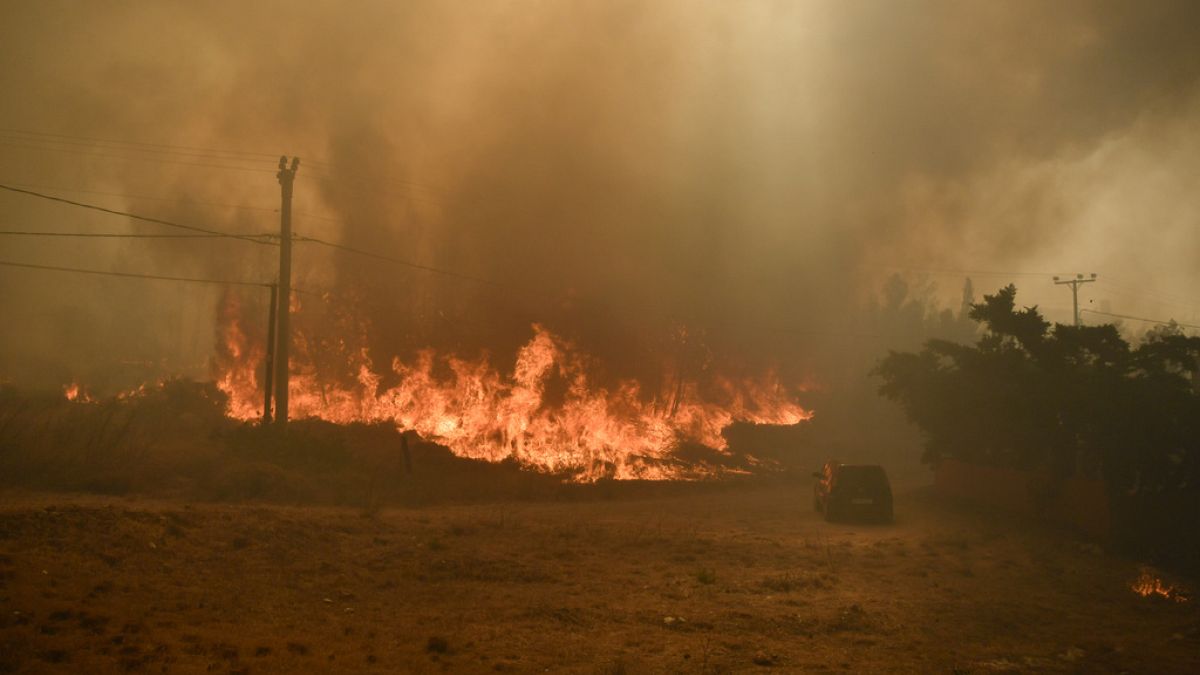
(546, 413)
(1150, 584)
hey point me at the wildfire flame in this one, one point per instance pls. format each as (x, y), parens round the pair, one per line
(75, 392)
(587, 431)
(1151, 585)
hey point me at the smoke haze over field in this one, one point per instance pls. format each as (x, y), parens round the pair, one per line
(754, 171)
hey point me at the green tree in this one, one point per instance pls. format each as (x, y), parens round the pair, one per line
(1064, 398)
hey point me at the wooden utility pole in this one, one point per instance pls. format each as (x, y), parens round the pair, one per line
(268, 377)
(404, 452)
(1074, 283)
(282, 335)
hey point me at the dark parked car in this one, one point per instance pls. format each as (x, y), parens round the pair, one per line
(853, 491)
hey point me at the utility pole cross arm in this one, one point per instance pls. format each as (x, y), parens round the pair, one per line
(1074, 284)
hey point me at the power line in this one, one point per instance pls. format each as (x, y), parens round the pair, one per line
(173, 200)
(1075, 283)
(140, 146)
(1146, 298)
(131, 275)
(422, 194)
(112, 235)
(141, 153)
(1160, 298)
(257, 239)
(981, 273)
(496, 285)
(159, 160)
(435, 191)
(80, 145)
(1138, 318)
(164, 146)
(542, 296)
(194, 152)
(399, 261)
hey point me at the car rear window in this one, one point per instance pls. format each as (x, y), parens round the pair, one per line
(871, 476)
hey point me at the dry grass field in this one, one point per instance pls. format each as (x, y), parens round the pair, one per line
(715, 579)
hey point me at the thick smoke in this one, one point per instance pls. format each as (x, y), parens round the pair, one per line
(749, 172)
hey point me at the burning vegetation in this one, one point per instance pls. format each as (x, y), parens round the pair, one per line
(1150, 584)
(75, 392)
(548, 291)
(547, 411)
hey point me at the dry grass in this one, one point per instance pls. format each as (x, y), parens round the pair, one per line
(218, 547)
(731, 580)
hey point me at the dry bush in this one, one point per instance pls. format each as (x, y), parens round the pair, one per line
(175, 440)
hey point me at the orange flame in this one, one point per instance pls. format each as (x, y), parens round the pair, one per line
(1150, 585)
(588, 431)
(237, 357)
(75, 392)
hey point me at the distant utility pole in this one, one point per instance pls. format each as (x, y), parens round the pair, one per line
(1074, 284)
(268, 376)
(282, 335)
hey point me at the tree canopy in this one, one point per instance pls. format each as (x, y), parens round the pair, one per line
(1072, 400)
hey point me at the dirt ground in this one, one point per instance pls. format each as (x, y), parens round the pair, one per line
(742, 579)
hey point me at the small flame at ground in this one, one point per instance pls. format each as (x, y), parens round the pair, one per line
(1150, 585)
(75, 392)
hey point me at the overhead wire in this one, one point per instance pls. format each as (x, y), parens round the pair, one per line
(1157, 297)
(122, 195)
(254, 238)
(90, 139)
(111, 235)
(201, 233)
(160, 160)
(970, 272)
(48, 140)
(433, 191)
(1138, 318)
(192, 152)
(141, 146)
(175, 200)
(417, 192)
(140, 153)
(132, 275)
(400, 261)
(317, 169)
(499, 286)
(159, 277)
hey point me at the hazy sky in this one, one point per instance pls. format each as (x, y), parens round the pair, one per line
(620, 168)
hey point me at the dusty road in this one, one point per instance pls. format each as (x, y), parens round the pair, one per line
(730, 580)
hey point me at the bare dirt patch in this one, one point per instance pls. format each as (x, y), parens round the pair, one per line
(734, 580)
